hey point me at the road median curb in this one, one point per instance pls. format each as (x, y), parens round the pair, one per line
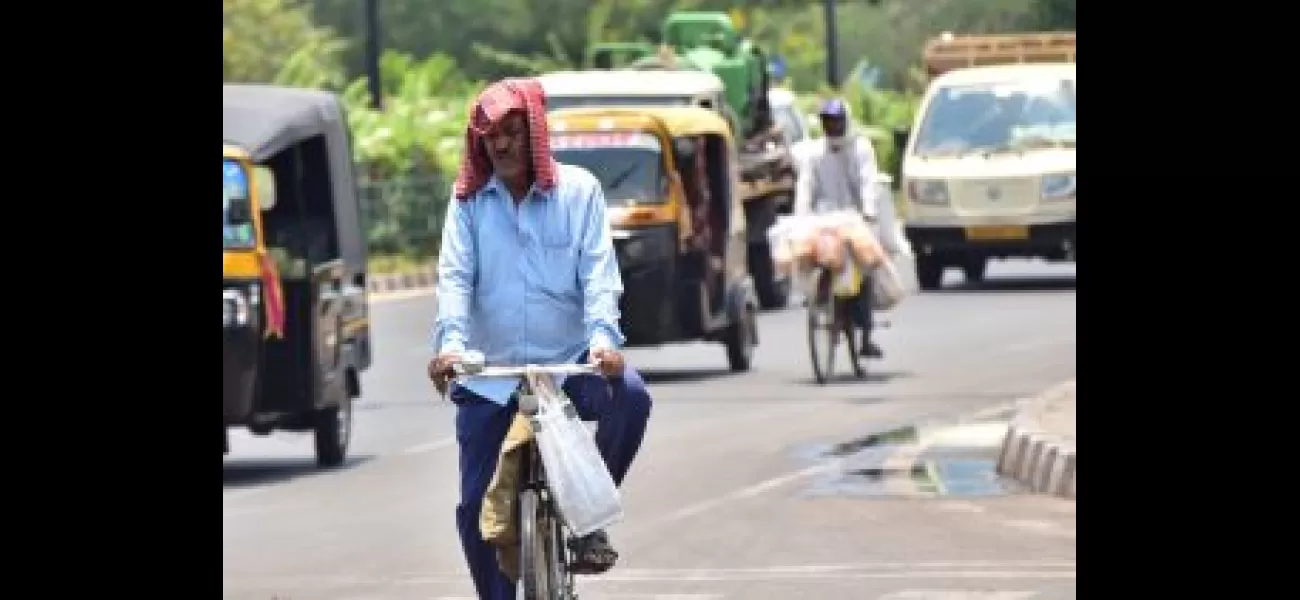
(1035, 456)
(382, 283)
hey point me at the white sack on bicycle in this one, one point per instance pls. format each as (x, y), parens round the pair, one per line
(847, 230)
(778, 239)
(887, 286)
(576, 474)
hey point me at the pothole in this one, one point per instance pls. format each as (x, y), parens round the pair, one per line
(896, 463)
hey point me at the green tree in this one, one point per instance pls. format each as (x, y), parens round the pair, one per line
(1055, 15)
(261, 37)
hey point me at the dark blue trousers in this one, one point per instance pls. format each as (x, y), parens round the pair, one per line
(620, 405)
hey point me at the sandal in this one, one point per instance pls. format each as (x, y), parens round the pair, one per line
(593, 554)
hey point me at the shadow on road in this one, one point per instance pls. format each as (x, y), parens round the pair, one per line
(239, 473)
(845, 377)
(1011, 285)
(946, 397)
(652, 376)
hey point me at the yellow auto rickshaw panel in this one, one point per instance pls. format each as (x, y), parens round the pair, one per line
(242, 264)
(663, 121)
(642, 216)
(235, 152)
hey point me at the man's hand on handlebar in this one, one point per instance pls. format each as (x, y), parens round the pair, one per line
(610, 362)
(441, 370)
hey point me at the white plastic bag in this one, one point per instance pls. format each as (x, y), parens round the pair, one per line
(887, 286)
(584, 490)
(888, 227)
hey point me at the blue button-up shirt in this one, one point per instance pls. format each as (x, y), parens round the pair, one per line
(528, 283)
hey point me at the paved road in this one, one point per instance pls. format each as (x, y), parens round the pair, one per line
(732, 497)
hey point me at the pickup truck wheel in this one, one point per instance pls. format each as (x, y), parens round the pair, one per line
(929, 273)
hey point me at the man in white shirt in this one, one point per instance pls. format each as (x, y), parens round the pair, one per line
(839, 176)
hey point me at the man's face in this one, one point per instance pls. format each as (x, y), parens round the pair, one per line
(508, 148)
(834, 126)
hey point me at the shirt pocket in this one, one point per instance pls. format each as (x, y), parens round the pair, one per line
(555, 234)
(558, 257)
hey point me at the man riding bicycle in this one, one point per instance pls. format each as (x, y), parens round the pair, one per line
(527, 275)
(838, 177)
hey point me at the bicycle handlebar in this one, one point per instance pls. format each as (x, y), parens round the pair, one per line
(473, 364)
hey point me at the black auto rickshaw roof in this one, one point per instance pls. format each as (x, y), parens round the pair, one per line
(265, 120)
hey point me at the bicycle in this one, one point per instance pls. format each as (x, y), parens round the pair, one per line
(544, 558)
(830, 313)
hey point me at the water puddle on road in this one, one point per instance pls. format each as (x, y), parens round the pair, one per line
(893, 464)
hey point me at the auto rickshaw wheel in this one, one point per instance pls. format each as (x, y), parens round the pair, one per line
(333, 431)
(740, 340)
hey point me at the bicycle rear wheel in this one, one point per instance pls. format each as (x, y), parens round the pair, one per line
(536, 558)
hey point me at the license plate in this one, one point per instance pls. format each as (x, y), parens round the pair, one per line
(998, 232)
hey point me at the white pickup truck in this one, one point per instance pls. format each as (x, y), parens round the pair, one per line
(989, 166)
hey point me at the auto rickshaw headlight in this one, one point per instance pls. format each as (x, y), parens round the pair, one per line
(647, 244)
(234, 308)
(635, 248)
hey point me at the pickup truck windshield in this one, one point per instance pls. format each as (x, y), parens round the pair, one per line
(998, 117)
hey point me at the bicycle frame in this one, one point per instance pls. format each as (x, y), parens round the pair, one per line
(557, 581)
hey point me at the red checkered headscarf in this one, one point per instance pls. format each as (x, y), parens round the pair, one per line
(486, 114)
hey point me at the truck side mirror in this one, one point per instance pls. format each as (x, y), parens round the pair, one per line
(901, 137)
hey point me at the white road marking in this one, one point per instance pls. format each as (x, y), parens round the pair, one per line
(757, 577)
(992, 411)
(971, 435)
(932, 570)
(749, 491)
(380, 298)
(958, 595)
(1040, 527)
(620, 597)
(1033, 345)
(234, 495)
(959, 506)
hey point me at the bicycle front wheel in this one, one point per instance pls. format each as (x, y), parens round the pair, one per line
(536, 557)
(822, 327)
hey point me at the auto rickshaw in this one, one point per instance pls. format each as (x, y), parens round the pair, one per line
(671, 180)
(295, 307)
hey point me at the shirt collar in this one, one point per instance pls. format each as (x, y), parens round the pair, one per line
(495, 186)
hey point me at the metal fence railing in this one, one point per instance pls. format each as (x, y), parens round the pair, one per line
(404, 215)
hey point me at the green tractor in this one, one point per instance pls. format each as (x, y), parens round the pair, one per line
(708, 41)
(703, 41)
